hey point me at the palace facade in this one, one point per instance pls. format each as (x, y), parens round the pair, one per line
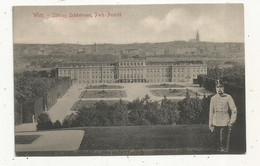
(132, 71)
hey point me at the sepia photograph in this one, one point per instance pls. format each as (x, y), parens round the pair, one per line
(120, 80)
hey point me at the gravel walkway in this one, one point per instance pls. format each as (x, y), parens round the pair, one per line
(65, 140)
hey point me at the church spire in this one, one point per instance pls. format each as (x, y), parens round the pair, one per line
(197, 36)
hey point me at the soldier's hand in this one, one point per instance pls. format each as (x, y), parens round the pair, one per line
(230, 125)
(211, 128)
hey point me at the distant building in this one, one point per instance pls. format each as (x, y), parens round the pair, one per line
(81, 50)
(197, 36)
(132, 71)
(166, 51)
(197, 39)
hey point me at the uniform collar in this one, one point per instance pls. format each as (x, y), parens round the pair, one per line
(223, 95)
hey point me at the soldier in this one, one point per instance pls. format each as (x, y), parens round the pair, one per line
(219, 119)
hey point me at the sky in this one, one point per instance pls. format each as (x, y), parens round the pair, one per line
(133, 23)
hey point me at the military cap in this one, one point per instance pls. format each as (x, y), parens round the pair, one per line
(219, 83)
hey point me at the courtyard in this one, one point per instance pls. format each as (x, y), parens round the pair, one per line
(103, 94)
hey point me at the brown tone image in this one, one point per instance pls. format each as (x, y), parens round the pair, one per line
(129, 80)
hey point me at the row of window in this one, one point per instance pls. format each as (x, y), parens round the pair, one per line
(95, 81)
(85, 74)
(130, 76)
(158, 80)
(85, 71)
(127, 70)
(112, 74)
(131, 70)
(147, 80)
(158, 75)
(131, 64)
(152, 75)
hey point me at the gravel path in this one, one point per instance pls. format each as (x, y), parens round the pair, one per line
(63, 106)
(65, 140)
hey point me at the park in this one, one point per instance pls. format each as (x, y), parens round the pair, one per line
(115, 140)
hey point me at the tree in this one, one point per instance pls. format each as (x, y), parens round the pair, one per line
(151, 112)
(57, 124)
(137, 112)
(204, 114)
(44, 122)
(101, 113)
(22, 92)
(118, 113)
(190, 110)
(66, 123)
(168, 112)
(70, 121)
(187, 93)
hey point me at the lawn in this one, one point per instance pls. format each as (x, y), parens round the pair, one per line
(165, 86)
(147, 140)
(172, 92)
(103, 94)
(25, 139)
(79, 104)
(104, 87)
(185, 137)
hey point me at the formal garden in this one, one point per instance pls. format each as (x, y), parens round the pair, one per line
(173, 92)
(103, 94)
(104, 86)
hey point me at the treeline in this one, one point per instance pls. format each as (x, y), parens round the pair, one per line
(36, 91)
(234, 76)
(138, 112)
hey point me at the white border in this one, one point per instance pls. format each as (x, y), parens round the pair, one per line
(252, 28)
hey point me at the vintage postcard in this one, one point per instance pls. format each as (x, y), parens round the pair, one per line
(112, 80)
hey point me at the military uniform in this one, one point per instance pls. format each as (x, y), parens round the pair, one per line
(219, 117)
(218, 113)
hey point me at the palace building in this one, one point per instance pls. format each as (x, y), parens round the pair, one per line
(132, 71)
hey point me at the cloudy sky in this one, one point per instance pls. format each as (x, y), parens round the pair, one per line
(143, 23)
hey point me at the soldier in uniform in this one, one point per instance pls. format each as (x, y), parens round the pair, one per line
(220, 121)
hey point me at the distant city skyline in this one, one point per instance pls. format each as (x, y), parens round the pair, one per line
(129, 24)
